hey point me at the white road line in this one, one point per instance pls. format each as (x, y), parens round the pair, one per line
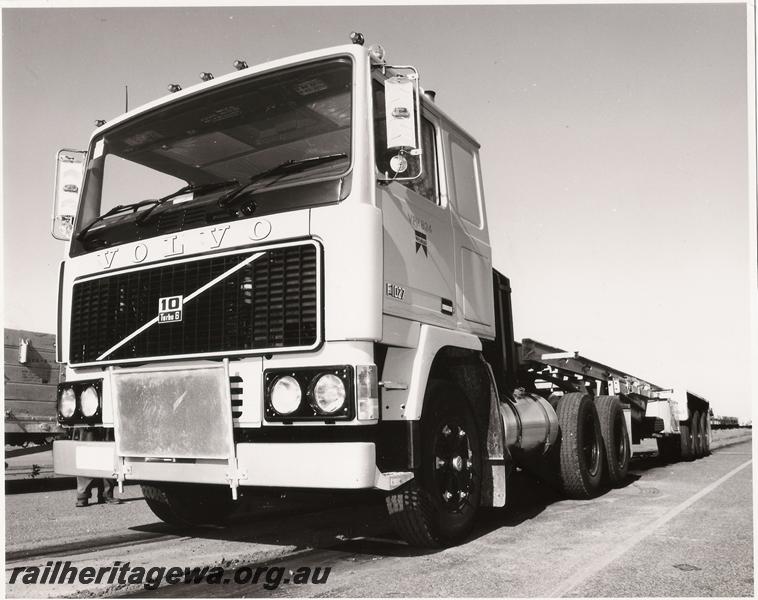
(600, 563)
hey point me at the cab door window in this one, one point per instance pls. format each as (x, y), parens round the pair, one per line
(465, 178)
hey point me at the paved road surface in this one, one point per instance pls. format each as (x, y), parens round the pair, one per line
(683, 529)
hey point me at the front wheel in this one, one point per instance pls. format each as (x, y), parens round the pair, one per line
(189, 505)
(438, 507)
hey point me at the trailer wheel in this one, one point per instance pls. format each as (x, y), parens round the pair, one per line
(706, 443)
(189, 505)
(438, 507)
(697, 435)
(615, 438)
(687, 442)
(581, 454)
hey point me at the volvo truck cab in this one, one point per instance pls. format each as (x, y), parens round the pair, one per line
(253, 264)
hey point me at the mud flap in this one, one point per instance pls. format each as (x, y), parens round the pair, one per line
(497, 459)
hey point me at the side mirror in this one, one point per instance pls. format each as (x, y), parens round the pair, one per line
(403, 124)
(69, 172)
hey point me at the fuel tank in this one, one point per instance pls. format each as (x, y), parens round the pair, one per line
(530, 423)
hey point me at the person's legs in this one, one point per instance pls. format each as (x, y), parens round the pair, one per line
(106, 495)
(83, 490)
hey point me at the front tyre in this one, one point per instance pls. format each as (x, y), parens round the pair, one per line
(189, 505)
(439, 506)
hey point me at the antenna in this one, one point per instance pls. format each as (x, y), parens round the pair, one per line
(126, 98)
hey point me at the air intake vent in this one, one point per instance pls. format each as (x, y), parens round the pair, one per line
(235, 387)
(178, 220)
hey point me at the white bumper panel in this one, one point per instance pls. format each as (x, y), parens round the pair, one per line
(85, 459)
(343, 465)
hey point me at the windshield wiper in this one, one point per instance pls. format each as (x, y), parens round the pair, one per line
(134, 206)
(153, 203)
(205, 187)
(282, 169)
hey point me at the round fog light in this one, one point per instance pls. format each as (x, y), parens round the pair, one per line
(329, 393)
(286, 395)
(67, 403)
(89, 402)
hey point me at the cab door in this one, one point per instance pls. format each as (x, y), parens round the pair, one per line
(419, 262)
(473, 253)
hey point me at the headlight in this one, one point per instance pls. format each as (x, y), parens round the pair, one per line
(286, 395)
(329, 393)
(67, 403)
(322, 393)
(89, 401)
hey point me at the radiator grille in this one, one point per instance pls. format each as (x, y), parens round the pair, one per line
(270, 303)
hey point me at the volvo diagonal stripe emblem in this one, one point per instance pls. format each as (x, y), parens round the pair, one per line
(184, 301)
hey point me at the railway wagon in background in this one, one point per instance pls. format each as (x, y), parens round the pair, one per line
(31, 380)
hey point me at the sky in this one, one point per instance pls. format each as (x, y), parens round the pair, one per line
(614, 154)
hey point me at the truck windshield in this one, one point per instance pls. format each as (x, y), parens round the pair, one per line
(216, 143)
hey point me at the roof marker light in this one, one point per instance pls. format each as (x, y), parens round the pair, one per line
(357, 38)
(376, 52)
(174, 87)
(205, 76)
(239, 64)
(99, 122)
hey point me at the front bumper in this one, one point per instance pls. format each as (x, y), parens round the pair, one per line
(331, 465)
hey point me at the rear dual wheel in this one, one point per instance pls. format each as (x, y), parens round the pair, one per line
(615, 438)
(581, 452)
(693, 441)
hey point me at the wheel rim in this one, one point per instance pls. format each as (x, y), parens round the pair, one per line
(453, 466)
(621, 442)
(590, 445)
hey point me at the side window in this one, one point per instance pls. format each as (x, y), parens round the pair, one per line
(465, 183)
(428, 184)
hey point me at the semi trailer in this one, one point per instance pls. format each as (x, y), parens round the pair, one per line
(282, 277)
